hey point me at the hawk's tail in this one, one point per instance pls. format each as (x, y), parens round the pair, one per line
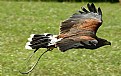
(37, 41)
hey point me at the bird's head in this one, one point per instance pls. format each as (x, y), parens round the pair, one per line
(103, 42)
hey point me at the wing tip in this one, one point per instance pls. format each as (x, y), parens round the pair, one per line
(99, 11)
(84, 9)
(91, 7)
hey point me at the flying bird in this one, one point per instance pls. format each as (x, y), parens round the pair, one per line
(76, 32)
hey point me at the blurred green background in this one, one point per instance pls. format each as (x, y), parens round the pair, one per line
(19, 19)
(69, 0)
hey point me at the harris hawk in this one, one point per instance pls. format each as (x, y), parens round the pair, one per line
(78, 31)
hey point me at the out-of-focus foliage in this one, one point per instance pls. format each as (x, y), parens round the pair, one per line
(20, 19)
(70, 0)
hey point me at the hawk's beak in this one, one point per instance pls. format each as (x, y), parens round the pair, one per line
(108, 43)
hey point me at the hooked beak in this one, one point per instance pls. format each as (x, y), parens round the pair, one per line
(108, 43)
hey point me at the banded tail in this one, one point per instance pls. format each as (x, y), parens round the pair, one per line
(37, 41)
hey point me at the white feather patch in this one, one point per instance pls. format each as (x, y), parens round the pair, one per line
(53, 40)
(31, 36)
(46, 34)
(27, 46)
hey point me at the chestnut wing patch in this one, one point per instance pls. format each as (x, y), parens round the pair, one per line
(91, 17)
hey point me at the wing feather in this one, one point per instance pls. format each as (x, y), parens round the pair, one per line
(89, 7)
(93, 8)
(85, 10)
(99, 11)
(80, 11)
(90, 19)
(79, 31)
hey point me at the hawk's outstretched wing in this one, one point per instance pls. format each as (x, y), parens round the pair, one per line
(80, 29)
(85, 20)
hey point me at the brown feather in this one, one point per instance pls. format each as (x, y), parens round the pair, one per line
(90, 24)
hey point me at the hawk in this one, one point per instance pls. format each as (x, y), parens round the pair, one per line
(78, 31)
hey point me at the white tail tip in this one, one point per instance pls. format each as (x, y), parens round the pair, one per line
(31, 36)
(27, 46)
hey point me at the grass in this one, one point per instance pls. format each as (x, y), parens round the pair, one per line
(20, 19)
